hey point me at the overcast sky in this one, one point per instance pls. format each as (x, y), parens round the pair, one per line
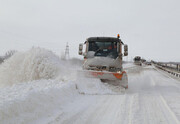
(151, 28)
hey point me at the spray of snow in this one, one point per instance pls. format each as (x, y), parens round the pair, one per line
(35, 64)
(91, 86)
(41, 64)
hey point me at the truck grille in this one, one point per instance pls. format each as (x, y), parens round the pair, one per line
(99, 68)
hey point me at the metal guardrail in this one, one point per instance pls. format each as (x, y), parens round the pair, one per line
(171, 67)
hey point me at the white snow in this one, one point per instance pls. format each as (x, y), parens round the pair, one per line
(39, 88)
(35, 64)
(34, 101)
(128, 65)
(91, 86)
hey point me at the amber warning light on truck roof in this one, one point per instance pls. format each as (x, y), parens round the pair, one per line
(118, 36)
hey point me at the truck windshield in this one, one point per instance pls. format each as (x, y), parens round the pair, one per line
(105, 49)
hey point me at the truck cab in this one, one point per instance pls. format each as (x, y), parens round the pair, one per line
(103, 53)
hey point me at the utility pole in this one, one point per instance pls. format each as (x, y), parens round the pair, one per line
(67, 52)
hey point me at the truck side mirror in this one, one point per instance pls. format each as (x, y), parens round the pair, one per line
(80, 49)
(125, 50)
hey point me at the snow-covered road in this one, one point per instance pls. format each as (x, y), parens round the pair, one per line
(152, 98)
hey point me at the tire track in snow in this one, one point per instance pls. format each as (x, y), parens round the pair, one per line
(130, 109)
(169, 110)
(150, 109)
(107, 109)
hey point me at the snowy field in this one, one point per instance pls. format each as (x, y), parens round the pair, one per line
(36, 87)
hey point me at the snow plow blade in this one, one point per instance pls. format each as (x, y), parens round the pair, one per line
(114, 78)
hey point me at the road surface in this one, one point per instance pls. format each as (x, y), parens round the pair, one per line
(153, 97)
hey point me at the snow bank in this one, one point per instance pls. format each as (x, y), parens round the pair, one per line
(35, 64)
(41, 101)
(34, 101)
(91, 86)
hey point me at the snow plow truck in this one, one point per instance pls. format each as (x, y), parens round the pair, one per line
(103, 59)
